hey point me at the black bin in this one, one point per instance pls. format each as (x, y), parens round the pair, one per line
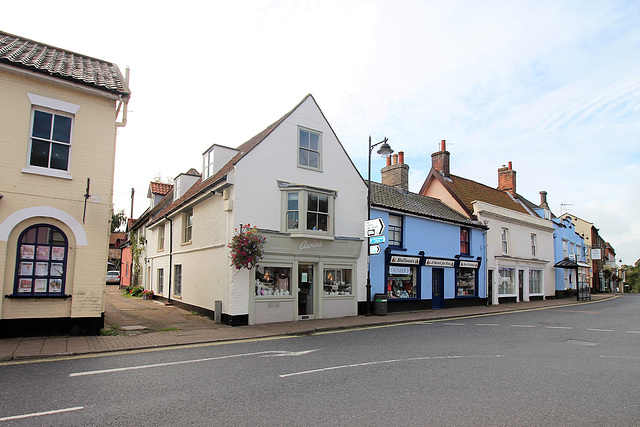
(380, 304)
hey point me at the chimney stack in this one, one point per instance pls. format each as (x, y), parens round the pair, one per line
(507, 179)
(440, 160)
(396, 173)
(543, 200)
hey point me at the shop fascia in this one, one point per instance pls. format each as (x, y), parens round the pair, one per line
(434, 262)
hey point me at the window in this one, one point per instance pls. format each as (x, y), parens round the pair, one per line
(533, 245)
(395, 230)
(573, 250)
(505, 240)
(177, 289)
(161, 237)
(273, 281)
(464, 241)
(506, 281)
(337, 281)
(466, 282)
(401, 282)
(207, 165)
(50, 141)
(160, 280)
(565, 250)
(309, 154)
(535, 281)
(41, 262)
(308, 211)
(187, 227)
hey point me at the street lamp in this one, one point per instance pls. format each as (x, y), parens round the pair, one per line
(384, 151)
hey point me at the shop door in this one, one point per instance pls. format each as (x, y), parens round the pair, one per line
(437, 288)
(489, 287)
(521, 284)
(305, 291)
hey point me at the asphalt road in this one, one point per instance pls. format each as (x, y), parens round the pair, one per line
(562, 366)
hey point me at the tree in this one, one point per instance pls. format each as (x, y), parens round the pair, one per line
(118, 219)
(633, 277)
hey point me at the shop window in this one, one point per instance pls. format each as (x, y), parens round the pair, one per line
(464, 241)
(308, 211)
(506, 281)
(41, 264)
(337, 281)
(535, 281)
(401, 282)
(160, 280)
(309, 149)
(466, 282)
(395, 230)
(161, 237)
(177, 289)
(187, 219)
(273, 281)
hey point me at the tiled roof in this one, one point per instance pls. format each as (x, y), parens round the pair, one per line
(113, 239)
(406, 201)
(53, 61)
(201, 186)
(469, 191)
(160, 188)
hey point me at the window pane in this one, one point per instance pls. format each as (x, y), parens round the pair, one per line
(29, 236)
(323, 204)
(312, 219)
(39, 153)
(395, 220)
(292, 220)
(314, 159)
(59, 156)
(42, 124)
(323, 222)
(43, 234)
(314, 141)
(292, 201)
(303, 158)
(58, 238)
(62, 129)
(273, 281)
(304, 139)
(312, 202)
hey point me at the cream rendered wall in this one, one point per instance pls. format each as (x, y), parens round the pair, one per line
(258, 200)
(520, 226)
(437, 191)
(92, 156)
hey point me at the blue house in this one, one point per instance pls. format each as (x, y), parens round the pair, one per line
(433, 256)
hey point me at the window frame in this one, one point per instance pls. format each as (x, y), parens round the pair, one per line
(504, 236)
(540, 282)
(303, 211)
(32, 255)
(187, 227)
(177, 280)
(465, 242)
(161, 235)
(332, 287)
(299, 148)
(534, 245)
(512, 278)
(394, 231)
(160, 280)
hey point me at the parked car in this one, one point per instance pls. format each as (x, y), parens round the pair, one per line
(113, 277)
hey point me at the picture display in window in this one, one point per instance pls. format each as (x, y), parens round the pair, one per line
(466, 282)
(506, 281)
(309, 149)
(317, 212)
(401, 282)
(50, 140)
(41, 261)
(464, 241)
(395, 230)
(273, 281)
(337, 281)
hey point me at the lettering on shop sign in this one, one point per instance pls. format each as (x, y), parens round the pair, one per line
(439, 262)
(309, 245)
(394, 269)
(468, 264)
(405, 260)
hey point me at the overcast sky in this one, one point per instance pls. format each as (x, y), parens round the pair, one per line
(553, 86)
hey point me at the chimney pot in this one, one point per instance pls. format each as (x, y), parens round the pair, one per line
(396, 174)
(443, 145)
(401, 157)
(395, 159)
(440, 159)
(389, 161)
(510, 166)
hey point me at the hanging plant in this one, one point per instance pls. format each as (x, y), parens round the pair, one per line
(247, 248)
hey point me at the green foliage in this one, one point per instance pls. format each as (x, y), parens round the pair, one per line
(137, 245)
(133, 290)
(247, 248)
(118, 219)
(110, 331)
(633, 277)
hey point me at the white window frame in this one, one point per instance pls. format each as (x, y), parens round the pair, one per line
(303, 200)
(187, 227)
(161, 237)
(160, 275)
(394, 230)
(207, 164)
(505, 240)
(177, 280)
(565, 248)
(299, 148)
(541, 280)
(534, 244)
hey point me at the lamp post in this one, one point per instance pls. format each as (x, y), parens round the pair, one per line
(384, 151)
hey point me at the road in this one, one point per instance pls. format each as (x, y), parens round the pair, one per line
(562, 366)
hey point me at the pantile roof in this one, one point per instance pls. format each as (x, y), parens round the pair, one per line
(117, 236)
(39, 57)
(160, 188)
(406, 201)
(469, 191)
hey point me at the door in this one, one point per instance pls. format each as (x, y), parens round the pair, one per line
(437, 288)
(521, 284)
(489, 287)
(305, 291)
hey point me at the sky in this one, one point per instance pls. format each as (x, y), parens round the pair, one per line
(552, 86)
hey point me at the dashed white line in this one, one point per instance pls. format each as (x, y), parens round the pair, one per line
(454, 324)
(38, 414)
(559, 327)
(523, 326)
(600, 330)
(633, 332)
(487, 324)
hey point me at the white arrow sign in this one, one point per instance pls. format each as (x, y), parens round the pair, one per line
(373, 227)
(374, 249)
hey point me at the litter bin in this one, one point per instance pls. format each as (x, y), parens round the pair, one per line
(380, 304)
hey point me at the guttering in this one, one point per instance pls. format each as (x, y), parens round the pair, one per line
(170, 254)
(125, 101)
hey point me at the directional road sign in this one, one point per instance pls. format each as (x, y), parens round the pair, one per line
(373, 227)
(374, 250)
(376, 239)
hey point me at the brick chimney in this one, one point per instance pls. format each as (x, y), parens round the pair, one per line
(440, 160)
(543, 200)
(396, 173)
(507, 179)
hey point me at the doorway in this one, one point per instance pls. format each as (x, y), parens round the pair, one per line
(521, 284)
(305, 291)
(437, 288)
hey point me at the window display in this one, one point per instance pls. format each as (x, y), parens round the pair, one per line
(535, 281)
(506, 281)
(401, 282)
(466, 282)
(337, 281)
(273, 281)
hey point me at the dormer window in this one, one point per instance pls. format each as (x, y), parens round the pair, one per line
(207, 164)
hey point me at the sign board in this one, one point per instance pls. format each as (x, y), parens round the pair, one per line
(468, 264)
(596, 253)
(394, 269)
(376, 240)
(405, 260)
(439, 263)
(373, 227)
(374, 250)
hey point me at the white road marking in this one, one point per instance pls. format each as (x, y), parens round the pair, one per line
(600, 330)
(291, 353)
(523, 326)
(453, 324)
(559, 327)
(487, 324)
(355, 365)
(183, 362)
(633, 332)
(38, 414)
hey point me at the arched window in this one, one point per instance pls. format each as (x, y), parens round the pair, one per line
(41, 262)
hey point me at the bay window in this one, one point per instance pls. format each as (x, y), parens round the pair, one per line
(307, 210)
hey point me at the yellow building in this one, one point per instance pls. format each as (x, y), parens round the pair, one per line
(59, 112)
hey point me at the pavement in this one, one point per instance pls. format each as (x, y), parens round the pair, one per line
(137, 324)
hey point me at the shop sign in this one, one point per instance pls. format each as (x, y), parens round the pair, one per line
(596, 253)
(394, 269)
(405, 260)
(469, 264)
(310, 245)
(440, 263)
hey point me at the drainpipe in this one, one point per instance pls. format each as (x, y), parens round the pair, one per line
(125, 101)
(170, 253)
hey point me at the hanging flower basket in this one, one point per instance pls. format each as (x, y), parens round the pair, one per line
(247, 248)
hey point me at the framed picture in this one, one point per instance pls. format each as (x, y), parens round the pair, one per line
(55, 285)
(26, 251)
(41, 285)
(42, 268)
(24, 286)
(42, 252)
(56, 268)
(26, 268)
(57, 253)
